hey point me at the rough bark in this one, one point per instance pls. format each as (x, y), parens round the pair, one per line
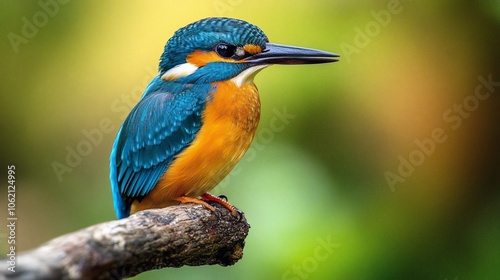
(175, 236)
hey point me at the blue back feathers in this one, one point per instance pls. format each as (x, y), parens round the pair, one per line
(159, 127)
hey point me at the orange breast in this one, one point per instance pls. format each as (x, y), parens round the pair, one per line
(230, 119)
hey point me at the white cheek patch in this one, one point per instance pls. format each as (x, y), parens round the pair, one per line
(247, 75)
(179, 71)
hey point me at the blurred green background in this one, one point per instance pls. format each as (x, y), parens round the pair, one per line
(349, 185)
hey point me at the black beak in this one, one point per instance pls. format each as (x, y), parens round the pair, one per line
(281, 54)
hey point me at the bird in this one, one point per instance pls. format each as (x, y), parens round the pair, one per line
(197, 117)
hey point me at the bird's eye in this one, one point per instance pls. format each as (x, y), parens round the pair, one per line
(225, 50)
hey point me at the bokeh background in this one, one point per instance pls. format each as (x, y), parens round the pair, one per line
(344, 179)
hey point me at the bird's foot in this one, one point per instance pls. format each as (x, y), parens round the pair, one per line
(222, 200)
(188, 199)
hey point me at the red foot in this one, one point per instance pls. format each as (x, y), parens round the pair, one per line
(188, 199)
(209, 197)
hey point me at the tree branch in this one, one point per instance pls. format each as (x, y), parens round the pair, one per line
(175, 236)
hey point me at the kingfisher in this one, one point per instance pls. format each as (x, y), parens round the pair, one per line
(197, 117)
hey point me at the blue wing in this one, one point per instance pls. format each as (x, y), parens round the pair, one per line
(161, 125)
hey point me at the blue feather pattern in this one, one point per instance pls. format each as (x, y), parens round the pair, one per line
(163, 123)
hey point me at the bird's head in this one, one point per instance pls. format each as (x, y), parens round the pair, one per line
(217, 49)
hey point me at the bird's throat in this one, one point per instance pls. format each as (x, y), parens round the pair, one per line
(247, 75)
